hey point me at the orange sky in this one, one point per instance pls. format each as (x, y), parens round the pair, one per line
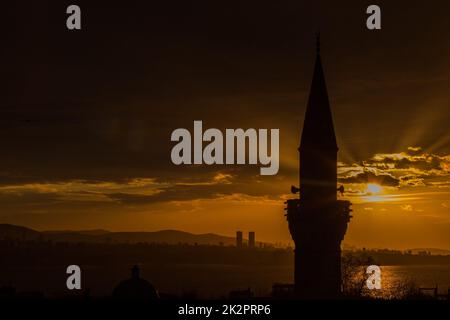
(399, 200)
(86, 118)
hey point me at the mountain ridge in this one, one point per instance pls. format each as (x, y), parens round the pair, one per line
(168, 236)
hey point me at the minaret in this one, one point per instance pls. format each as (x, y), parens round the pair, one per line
(318, 148)
(317, 220)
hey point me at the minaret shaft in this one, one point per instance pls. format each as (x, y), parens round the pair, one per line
(318, 221)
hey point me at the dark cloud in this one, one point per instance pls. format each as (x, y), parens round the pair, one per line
(410, 168)
(29, 198)
(100, 104)
(420, 161)
(187, 192)
(370, 177)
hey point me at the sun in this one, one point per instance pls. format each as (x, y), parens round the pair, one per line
(373, 188)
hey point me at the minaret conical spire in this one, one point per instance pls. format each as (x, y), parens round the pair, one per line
(318, 43)
(318, 146)
(318, 128)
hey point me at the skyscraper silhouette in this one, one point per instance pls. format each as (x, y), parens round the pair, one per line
(318, 221)
(239, 239)
(251, 239)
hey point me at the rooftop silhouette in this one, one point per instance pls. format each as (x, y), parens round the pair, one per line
(135, 288)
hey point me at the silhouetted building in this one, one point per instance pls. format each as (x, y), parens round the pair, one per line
(240, 294)
(135, 288)
(7, 291)
(239, 239)
(282, 290)
(317, 220)
(251, 239)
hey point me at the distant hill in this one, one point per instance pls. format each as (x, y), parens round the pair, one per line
(433, 251)
(168, 236)
(17, 232)
(94, 232)
(163, 236)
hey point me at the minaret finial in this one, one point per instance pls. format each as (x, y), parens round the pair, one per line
(318, 43)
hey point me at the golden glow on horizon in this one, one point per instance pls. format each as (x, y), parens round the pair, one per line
(373, 193)
(373, 188)
(375, 199)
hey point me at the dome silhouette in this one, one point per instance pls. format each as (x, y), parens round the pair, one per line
(135, 288)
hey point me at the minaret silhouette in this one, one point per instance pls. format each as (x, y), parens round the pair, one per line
(318, 221)
(318, 148)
